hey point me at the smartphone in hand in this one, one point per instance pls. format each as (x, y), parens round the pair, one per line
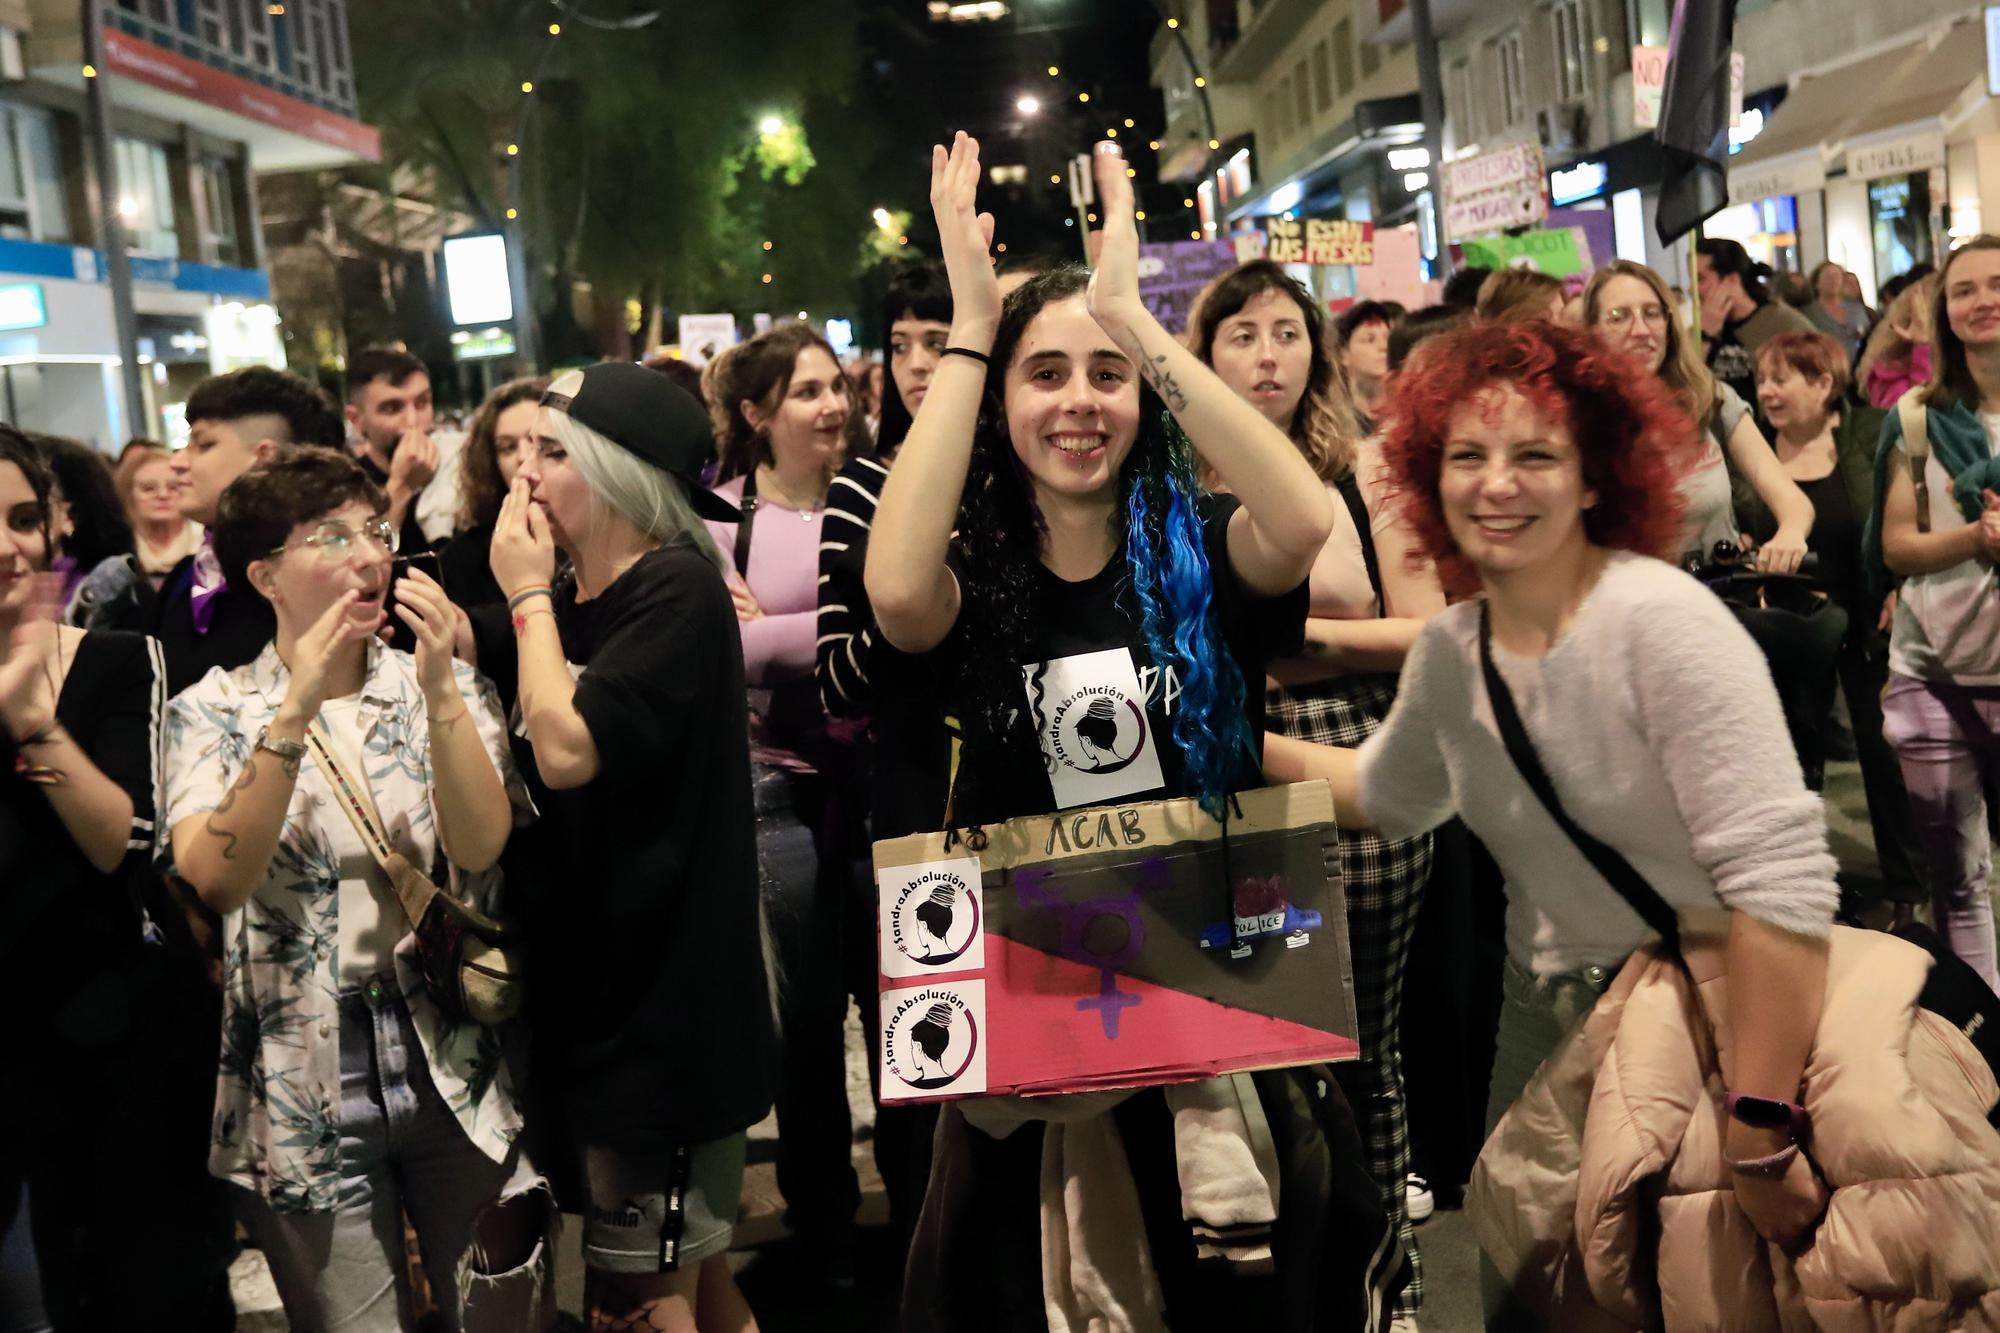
(401, 635)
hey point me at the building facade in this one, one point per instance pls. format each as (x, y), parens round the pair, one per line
(205, 95)
(1866, 133)
(1299, 107)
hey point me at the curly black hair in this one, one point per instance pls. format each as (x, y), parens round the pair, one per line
(1167, 576)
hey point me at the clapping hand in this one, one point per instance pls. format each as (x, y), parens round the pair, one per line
(1114, 282)
(348, 620)
(965, 234)
(28, 668)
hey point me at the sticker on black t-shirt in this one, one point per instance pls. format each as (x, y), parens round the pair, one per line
(1094, 734)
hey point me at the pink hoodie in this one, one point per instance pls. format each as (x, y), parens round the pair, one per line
(1887, 380)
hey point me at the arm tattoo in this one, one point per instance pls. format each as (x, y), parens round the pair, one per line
(1163, 382)
(290, 765)
(223, 806)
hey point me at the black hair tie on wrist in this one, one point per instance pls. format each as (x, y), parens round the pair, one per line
(980, 357)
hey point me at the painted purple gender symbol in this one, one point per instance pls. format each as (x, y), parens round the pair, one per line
(1032, 889)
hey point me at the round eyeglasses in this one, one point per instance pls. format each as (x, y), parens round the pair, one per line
(336, 540)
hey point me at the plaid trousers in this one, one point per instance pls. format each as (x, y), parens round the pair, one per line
(1384, 885)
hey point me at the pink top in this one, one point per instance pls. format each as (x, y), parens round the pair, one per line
(1889, 380)
(784, 578)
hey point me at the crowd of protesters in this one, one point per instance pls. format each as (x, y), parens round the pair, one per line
(413, 831)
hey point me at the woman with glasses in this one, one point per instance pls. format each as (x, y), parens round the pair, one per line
(1630, 309)
(346, 1098)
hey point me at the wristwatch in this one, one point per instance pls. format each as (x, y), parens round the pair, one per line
(1766, 1113)
(287, 750)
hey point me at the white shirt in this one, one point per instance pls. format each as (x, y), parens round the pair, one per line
(437, 503)
(371, 917)
(1656, 720)
(1947, 624)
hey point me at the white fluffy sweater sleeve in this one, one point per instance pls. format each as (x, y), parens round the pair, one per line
(1662, 733)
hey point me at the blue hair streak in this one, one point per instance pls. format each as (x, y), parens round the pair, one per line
(1170, 575)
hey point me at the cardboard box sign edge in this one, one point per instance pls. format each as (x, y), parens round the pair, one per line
(1176, 819)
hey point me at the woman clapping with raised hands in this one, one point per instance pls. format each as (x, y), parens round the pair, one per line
(1042, 534)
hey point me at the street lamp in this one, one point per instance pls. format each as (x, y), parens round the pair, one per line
(770, 125)
(882, 219)
(1028, 106)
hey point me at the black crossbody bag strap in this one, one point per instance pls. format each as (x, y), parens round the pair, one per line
(1350, 491)
(1629, 884)
(743, 525)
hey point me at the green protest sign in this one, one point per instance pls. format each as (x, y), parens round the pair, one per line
(1557, 253)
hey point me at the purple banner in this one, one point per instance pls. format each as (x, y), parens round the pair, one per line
(1172, 274)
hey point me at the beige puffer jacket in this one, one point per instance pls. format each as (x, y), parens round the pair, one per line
(1604, 1192)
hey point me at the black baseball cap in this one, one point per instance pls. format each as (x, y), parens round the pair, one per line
(647, 414)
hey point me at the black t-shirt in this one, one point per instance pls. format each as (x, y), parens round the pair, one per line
(63, 922)
(1733, 361)
(652, 1014)
(464, 561)
(241, 625)
(1094, 678)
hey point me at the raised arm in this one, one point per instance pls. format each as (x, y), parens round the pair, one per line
(524, 562)
(474, 815)
(1286, 513)
(95, 810)
(914, 594)
(225, 851)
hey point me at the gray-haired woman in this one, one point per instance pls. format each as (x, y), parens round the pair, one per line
(651, 1010)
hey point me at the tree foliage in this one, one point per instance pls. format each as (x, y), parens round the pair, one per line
(645, 173)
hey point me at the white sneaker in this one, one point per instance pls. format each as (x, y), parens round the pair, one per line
(1417, 1192)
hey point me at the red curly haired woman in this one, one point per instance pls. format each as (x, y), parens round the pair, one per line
(1539, 472)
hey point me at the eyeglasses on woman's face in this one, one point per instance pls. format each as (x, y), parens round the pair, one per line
(1619, 317)
(341, 541)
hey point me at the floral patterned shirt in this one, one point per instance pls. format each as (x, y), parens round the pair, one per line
(276, 1128)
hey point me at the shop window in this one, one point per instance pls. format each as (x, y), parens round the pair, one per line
(1371, 59)
(1566, 23)
(1899, 217)
(211, 24)
(222, 243)
(1284, 110)
(1322, 78)
(1508, 60)
(1269, 107)
(1302, 95)
(146, 197)
(1343, 57)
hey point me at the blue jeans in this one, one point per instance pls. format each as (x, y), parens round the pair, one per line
(401, 1150)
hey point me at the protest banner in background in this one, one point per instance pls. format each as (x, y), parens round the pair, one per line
(1398, 271)
(1172, 274)
(1308, 241)
(1495, 191)
(1094, 949)
(1557, 253)
(703, 336)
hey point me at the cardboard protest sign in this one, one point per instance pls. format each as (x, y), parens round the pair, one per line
(1172, 274)
(1397, 273)
(1494, 191)
(1116, 946)
(1308, 241)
